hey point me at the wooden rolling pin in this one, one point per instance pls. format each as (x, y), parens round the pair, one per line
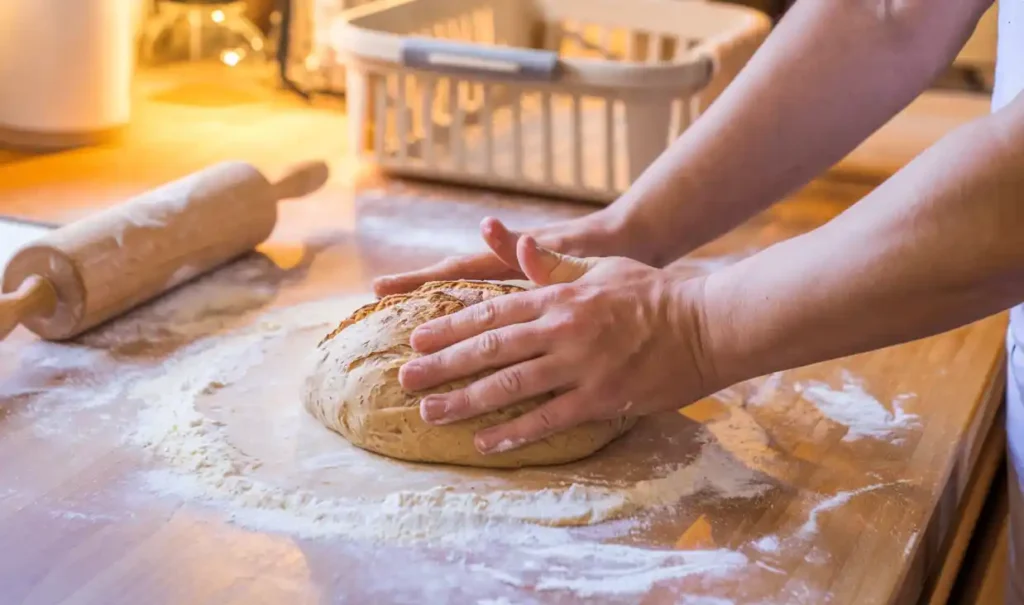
(93, 270)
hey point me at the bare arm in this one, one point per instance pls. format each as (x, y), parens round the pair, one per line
(939, 245)
(831, 73)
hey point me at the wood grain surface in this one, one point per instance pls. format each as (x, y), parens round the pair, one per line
(81, 528)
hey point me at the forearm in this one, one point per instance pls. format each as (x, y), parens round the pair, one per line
(939, 245)
(831, 73)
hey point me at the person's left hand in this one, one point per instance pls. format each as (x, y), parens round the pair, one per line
(608, 337)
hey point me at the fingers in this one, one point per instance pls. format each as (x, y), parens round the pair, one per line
(477, 266)
(545, 267)
(504, 387)
(472, 321)
(497, 265)
(559, 414)
(492, 349)
(502, 242)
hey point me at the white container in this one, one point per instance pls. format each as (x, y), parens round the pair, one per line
(571, 98)
(65, 71)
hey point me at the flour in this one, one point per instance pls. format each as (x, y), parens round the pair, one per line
(690, 600)
(675, 565)
(70, 373)
(765, 566)
(563, 531)
(69, 515)
(834, 502)
(202, 460)
(857, 410)
(208, 305)
(768, 544)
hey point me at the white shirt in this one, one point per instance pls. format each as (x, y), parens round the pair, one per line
(1010, 58)
(1009, 83)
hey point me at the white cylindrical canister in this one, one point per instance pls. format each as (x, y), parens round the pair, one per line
(65, 71)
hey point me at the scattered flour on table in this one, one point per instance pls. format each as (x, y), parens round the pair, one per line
(766, 567)
(674, 565)
(834, 502)
(207, 305)
(768, 544)
(71, 515)
(538, 526)
(856, 409)
(697, 600)
(95, 371)
(203, 464)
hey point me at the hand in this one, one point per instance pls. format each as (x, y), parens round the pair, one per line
(609, 337)
(596, 234)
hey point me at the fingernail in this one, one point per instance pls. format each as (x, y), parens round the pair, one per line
(419, 340)
(489, 445)
(433, 409)
(409, 371)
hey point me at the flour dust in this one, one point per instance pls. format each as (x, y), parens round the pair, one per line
(222, 422)
(863, 415)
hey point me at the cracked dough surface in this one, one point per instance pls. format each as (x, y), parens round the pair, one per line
(354, 389)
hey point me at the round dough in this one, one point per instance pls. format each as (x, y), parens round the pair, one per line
(354, 389)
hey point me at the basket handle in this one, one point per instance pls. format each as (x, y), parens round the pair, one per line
(447, 56)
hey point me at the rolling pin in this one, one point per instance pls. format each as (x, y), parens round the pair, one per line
(81, 275)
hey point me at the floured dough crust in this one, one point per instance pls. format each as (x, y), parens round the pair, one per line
(354, 388)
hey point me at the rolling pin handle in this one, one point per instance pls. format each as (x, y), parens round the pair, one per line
(301, 180)
(35, 297)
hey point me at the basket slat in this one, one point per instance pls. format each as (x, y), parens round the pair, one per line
(625, 84)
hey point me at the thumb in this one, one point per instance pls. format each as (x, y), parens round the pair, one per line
(545, 267)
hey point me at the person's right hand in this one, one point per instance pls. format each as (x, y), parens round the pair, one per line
(588, 236)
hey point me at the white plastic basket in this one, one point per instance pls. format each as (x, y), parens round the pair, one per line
(570, 98)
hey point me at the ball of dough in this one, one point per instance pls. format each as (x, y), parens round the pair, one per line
(354, 388)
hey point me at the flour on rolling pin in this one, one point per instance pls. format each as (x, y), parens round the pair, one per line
(81, 275)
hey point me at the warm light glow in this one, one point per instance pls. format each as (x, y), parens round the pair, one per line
(230, 57)
(217, 16)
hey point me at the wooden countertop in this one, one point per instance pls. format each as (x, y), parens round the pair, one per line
(80, 531)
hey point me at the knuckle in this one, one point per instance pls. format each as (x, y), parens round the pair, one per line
(563, 324)
(547, 418)
(559, 292)
(426, 364)
(459, 402)
(489, 345)
(449, 332)
(510, 381)
(484, 314)
(438, 328)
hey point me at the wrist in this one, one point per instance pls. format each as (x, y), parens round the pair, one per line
(688, 321)
(603, 233)
(723, 349)
(665, 217)
(621, 229)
